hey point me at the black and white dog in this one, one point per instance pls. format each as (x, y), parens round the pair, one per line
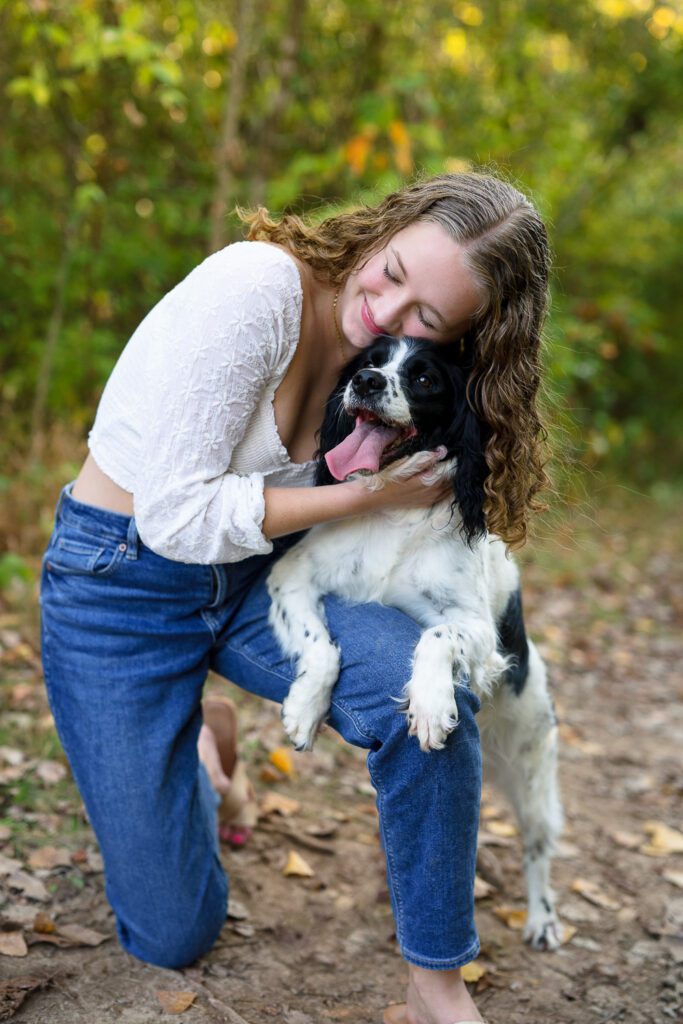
(402, 399)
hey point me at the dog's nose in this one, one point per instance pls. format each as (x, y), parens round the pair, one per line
(365, 382)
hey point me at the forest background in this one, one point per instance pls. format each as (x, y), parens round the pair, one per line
(130, 130)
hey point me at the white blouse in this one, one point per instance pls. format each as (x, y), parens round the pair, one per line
(186, 421)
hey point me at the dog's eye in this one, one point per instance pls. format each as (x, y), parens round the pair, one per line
(424, 381)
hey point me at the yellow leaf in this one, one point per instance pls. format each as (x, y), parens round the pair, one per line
(502, 828)
(296, 865)
(175, 1002)
(472, 971)
(281, 757)
(592, 892)
(675, 877)
(276, 803)
(568, 933)
(664, 840)
(629, 840)
(512, 916)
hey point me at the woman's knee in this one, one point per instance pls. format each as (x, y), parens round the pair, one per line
(178, 934)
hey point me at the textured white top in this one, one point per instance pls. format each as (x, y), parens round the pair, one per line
(186, 421)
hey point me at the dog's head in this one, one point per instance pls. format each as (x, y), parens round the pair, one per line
(399, 397)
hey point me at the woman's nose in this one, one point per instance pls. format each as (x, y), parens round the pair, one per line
(389, 316)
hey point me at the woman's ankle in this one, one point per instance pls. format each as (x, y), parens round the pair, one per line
(438, 997)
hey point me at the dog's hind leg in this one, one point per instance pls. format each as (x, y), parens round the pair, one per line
(519, 736)
(297, 619)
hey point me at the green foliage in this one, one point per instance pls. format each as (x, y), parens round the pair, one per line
(114, 113)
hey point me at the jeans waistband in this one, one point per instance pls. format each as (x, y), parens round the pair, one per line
(100, 521)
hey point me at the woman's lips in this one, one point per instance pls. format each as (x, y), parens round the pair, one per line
(366, 317)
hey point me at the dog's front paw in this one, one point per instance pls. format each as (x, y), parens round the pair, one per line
(544, 931)
(303, 714)
(431, 720)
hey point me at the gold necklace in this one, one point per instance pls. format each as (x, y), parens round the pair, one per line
(340, 337)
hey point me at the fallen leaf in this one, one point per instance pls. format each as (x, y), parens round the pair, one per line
(568, 933)
(5, 833)
(488, 811)
(296, 865)
(50, 772)
(43, 924)
(175, 1002)
(236, 910)
(49, 857)
(80, 936)
(8, 865)
(13, 991)
(512, 916)
(281, 757)
(664, 840)
(472, 971)
(482, 889)
(487, 838)
(276, 803)
(629, 840)
(13, 943)
(11, 755)
(502, 828)
(31, 887)
(594, 893)
(270, 774)
(675, 877)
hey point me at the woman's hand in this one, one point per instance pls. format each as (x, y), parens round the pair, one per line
(410, 483)
(406, 484)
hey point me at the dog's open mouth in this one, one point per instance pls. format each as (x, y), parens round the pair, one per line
(371, 443)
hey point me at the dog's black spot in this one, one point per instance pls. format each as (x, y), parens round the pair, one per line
(512, 641)
(283, 615)
(307, 633)
(546, 906)
(438, 634)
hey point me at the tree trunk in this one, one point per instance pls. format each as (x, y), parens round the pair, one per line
(227, 152)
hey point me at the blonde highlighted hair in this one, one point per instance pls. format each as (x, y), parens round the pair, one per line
(506, 248)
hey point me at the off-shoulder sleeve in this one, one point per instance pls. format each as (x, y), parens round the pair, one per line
(213, 347)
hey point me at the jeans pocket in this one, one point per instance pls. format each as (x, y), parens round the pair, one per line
(88, 555)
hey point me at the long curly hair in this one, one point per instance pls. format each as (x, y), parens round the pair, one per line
(506, 248)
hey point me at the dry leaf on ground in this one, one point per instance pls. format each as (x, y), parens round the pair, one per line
(276, 803)
(175, 1002)
(51, 772)
(594, 893)
(675, 877)
(513, 917)
(472, 971)
(31, 887)
(49, 857)
(13, 943)
(663, 840)
(296, 865)
(505, 829)
(482, 889)
(13, 991)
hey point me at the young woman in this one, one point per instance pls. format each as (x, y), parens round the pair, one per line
(200, 473)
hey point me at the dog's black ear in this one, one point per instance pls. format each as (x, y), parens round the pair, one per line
(466, 439)
(336, 424)
(471, 474)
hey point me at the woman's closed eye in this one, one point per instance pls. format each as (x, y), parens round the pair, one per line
(420, 315)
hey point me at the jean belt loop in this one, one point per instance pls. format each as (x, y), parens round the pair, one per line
(132, 540)
(60, 501)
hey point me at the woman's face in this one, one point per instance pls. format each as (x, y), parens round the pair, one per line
(418, 284)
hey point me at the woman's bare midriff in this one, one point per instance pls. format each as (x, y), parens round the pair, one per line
(93, 487)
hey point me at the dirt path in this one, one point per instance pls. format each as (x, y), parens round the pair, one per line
(606, 604)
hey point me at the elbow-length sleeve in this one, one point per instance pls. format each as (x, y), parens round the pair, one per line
(214, 346)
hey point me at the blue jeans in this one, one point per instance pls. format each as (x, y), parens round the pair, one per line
(128, 639)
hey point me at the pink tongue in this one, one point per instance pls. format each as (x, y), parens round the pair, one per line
(362, 449)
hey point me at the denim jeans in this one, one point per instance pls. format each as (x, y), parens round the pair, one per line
(128, 639)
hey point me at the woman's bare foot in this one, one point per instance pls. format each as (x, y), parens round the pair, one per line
(434, 997)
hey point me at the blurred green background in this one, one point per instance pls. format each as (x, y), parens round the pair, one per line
(130, 130)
